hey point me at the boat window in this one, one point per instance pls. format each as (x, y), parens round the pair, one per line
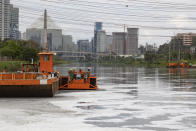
(46, 58)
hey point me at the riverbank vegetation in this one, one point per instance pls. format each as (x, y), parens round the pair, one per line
(128, 61)
(19, 50)
(168, 52)
(11, 65)
(14, 53)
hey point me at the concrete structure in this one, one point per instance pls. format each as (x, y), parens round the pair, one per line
(68, 44)
(34, 34)
(186, 38)
(54, 37)
(98, 26)
(101, 41)
(24, 36)
(4, 19)
(118, 43)
(132, 41)
(83, 46)
(14, 23)
(125, 43)
(108, 43)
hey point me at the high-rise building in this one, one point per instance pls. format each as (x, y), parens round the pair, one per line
(125, 43)
(103, 41)
(24, 36)
(108, 43)
(98, 26)
(54, 37)
(132, 41)
(34, 34)
(186, 38)
(4, 19)
(118, 43)
(83, 46)
(14, 22)
(68, 44)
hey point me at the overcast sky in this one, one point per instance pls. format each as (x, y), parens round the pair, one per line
(156, 19)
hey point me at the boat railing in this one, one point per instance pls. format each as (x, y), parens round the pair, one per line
(25, 76)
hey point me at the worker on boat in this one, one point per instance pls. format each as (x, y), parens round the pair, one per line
(190, 64)
(4, 70)
(44, 75)
(81, 73)
(74, 74)
(71, 75)
(85, 77)
(89, 72)
(27, 69)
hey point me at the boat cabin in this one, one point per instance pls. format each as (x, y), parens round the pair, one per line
(46, 62)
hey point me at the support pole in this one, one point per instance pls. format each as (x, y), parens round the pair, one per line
(45, 31)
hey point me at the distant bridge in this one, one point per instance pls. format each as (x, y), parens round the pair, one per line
(74, 54)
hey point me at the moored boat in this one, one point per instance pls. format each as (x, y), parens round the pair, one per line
(44, 83)
(78, 81)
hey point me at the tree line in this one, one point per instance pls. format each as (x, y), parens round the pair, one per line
(19, 49)
(173, 51)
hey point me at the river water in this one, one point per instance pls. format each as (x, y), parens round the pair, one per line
(135, 99)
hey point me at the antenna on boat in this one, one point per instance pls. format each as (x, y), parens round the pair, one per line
(45, 31)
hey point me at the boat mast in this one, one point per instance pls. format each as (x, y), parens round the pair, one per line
(45, 31)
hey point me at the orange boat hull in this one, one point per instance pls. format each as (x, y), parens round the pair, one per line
(27, 85)
(89, 84)
(177, 65)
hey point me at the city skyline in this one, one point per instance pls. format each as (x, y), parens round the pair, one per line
(9, 21)
(78, 21)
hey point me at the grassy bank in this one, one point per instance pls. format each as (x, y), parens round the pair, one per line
(131, 62)
(137, 64)
(11, 65)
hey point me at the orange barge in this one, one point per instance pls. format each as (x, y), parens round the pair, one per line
(79, 82)
(179, 65)
(44, 83)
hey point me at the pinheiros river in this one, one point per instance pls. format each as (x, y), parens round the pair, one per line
(128, 99)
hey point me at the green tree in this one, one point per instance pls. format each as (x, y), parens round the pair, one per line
(20, 49)
(187, 56)
(150, 57)
(30, 53)
(7, 52)
(174, 55)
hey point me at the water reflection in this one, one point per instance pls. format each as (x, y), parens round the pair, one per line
(183, 79)
(115, 74)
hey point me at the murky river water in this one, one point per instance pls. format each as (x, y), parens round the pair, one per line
(135, 99)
